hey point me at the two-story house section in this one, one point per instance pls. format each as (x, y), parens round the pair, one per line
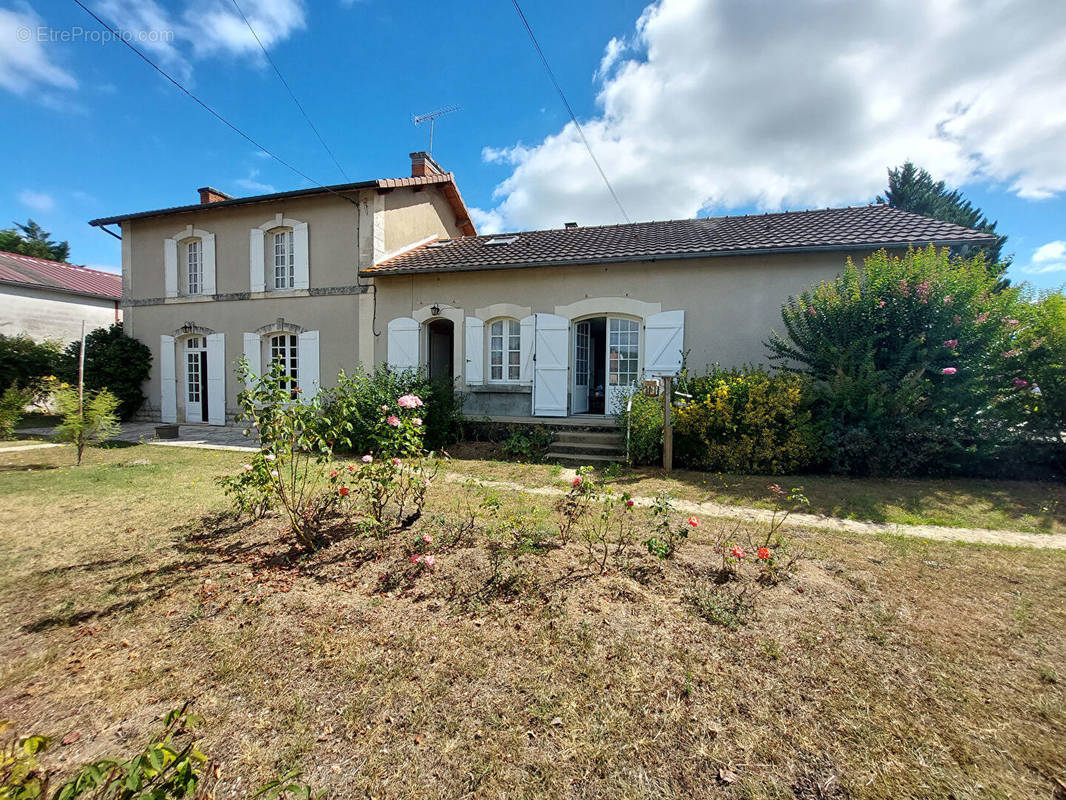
(272, 277)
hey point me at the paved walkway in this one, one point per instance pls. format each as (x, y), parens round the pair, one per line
(1055, 541)
(28, 446)
(210, 437)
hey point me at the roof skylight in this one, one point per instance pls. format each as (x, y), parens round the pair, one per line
(501, 240)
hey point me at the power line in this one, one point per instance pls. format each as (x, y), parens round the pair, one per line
(569, 110)
(206, 107)
(285, 83)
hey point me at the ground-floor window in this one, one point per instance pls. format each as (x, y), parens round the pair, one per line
(285, 351)
(505, 350)
(623, 351)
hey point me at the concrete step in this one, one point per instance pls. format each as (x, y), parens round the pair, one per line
(583, 459)
(589, 437)
(607, 449)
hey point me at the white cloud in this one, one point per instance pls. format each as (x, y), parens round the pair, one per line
(611, 54)
(38, 201)
(719, 104)
(214, 27)
(24, 63)
(1047, 258)
(150, 28)
(250, 184)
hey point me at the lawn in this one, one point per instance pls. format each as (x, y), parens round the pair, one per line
(1031, 506)
(884, 668)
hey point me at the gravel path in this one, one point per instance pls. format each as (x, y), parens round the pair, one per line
(850, 526)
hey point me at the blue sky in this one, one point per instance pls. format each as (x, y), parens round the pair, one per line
(692, 106)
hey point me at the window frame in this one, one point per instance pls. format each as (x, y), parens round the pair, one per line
(188, 246)
(289, 351)
(290, 268)
(510, 344)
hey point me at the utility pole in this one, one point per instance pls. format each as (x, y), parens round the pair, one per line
(431, 118)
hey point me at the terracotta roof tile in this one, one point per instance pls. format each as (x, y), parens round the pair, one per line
(30, 271)
(857, 227)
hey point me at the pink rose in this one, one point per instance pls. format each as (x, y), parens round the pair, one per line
(410, 401)
(394, 421)
(811, 311)
(430, 560)
(396, 462)
(737, 551)
(577, 481)
(384, 408)
(247, 467)
(367, 459)
(948, 371)
(417, 422)
(415, 558)
(1021, 384)
(951, 344)
(427, 538)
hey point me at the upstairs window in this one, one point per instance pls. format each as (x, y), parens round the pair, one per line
(194, 267)
(505, 350)
(284, 259)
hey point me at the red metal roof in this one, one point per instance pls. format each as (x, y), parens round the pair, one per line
(58, 275)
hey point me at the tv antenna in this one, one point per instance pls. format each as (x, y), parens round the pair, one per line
(431, 118)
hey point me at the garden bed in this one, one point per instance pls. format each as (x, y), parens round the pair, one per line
(884, 668)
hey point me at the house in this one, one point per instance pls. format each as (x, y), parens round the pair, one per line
(46, 299)
(545, 323)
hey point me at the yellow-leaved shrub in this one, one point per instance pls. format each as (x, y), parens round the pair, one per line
(746, 420)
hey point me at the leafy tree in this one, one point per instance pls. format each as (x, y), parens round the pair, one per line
(93, 419)
(913, 362)
(23, 361)
(913, 189)
(1041, 349)
(113, 361)
(33, 240)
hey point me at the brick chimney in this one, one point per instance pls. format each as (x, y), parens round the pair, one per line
(209, 195)
(422, 164)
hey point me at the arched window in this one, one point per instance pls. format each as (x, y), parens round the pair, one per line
(505, 351)
(284, 349)
(283, 258)
(192, 263)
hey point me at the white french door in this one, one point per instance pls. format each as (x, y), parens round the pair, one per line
(623, 361)
(195, 379)
(582, 368)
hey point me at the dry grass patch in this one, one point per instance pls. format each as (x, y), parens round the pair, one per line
(886, 668)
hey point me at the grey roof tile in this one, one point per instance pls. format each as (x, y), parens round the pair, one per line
(855, 227)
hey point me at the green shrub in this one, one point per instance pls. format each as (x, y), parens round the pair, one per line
(746, 420)
(528, 443)
(13, 403)
(644, 423)
(24, 361)
(113, 361)
(358, 397)
(89, 420)
(1042, 350)
(913, 361)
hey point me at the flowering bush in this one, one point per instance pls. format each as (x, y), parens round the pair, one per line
(667, 535)
(599, 516)
(293, 448)
(911, 361)
(746, 420)
(388, 488)
(355, 405)
(252, 487)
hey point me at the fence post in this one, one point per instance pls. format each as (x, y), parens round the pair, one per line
(668, 428)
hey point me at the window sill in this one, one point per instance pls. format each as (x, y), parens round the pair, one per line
(190, 298)
(279, 293)
(502, 388)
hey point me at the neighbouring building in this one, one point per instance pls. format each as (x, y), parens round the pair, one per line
(46, 299)
(543, 323)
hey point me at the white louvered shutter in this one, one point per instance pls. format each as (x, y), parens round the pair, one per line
(475, 351)
(256, 261)
(308, 378)
(207, 252)
(526, 329)
(301, 256)
(170, 267)
(216, 378)
(403, 343)
(552, 347)
(664, 343)
(168, 385)
(253, 355)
